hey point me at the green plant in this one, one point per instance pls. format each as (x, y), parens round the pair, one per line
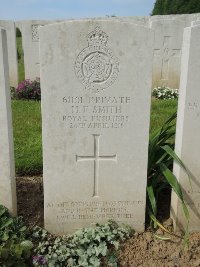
(13, 93)
(164, 7)
(160, 163)
(87, 247)
(20, 54)
(18, 32)
(15, 249)
(165, 93)
(29, 90)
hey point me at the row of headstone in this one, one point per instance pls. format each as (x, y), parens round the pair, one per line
(9, 26)
(96, 94)
(167, 46)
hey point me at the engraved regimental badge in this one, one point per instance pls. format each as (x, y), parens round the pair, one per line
(96, 66)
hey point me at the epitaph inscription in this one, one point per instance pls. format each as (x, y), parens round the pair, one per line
(96, 66)
(94, 210)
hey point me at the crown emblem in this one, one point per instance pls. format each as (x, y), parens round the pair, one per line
(97, 37)
(96, 66)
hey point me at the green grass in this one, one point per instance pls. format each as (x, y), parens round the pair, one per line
(20, 59)
(27, 137)
(27, 131)
(160, 111)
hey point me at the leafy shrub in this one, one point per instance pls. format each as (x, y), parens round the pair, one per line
(165, 93)
(13, 93)
(18, 32)
(86, 247)
(160, 164)
(29, 90)
(15, 249)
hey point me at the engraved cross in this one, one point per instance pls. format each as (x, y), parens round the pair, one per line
(96, 158)
(166, 52)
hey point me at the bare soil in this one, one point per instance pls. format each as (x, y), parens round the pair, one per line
(141, 250)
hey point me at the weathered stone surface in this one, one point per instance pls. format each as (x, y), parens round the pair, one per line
(7, 171)
(195, 23)
(167, 51)
(188, 131)
(9, 26)
(96, 88)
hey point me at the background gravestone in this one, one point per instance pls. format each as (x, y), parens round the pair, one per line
(96, 91)
(188, 131)
(9, 26)
(7, 172)
(167, 51)
(30, 43)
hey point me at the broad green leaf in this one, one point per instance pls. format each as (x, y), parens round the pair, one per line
(6, 223)
(152, 199)
(2, 210)
(171, 178)
(179, 162)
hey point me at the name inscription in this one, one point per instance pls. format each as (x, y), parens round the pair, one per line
(96, 112)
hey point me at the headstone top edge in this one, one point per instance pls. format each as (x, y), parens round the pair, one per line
(71, 22)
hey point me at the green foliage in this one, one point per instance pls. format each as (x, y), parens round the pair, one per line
(160, 163)
(18, 32)
(28, 90)
(20, 54)
(15, 250)
(89, 247)
(165, 7)
(165, 93)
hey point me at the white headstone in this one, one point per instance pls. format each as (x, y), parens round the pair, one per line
(195, 23)
(9, 26)
(30, 42)
(7, 170)
(167, 51)
(188, 131)
(96, 87)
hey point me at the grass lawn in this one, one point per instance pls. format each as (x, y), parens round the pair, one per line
(27, 131)
(161, 110)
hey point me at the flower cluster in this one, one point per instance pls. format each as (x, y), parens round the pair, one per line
(165, 93)
(29, 90)
(39, 260)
